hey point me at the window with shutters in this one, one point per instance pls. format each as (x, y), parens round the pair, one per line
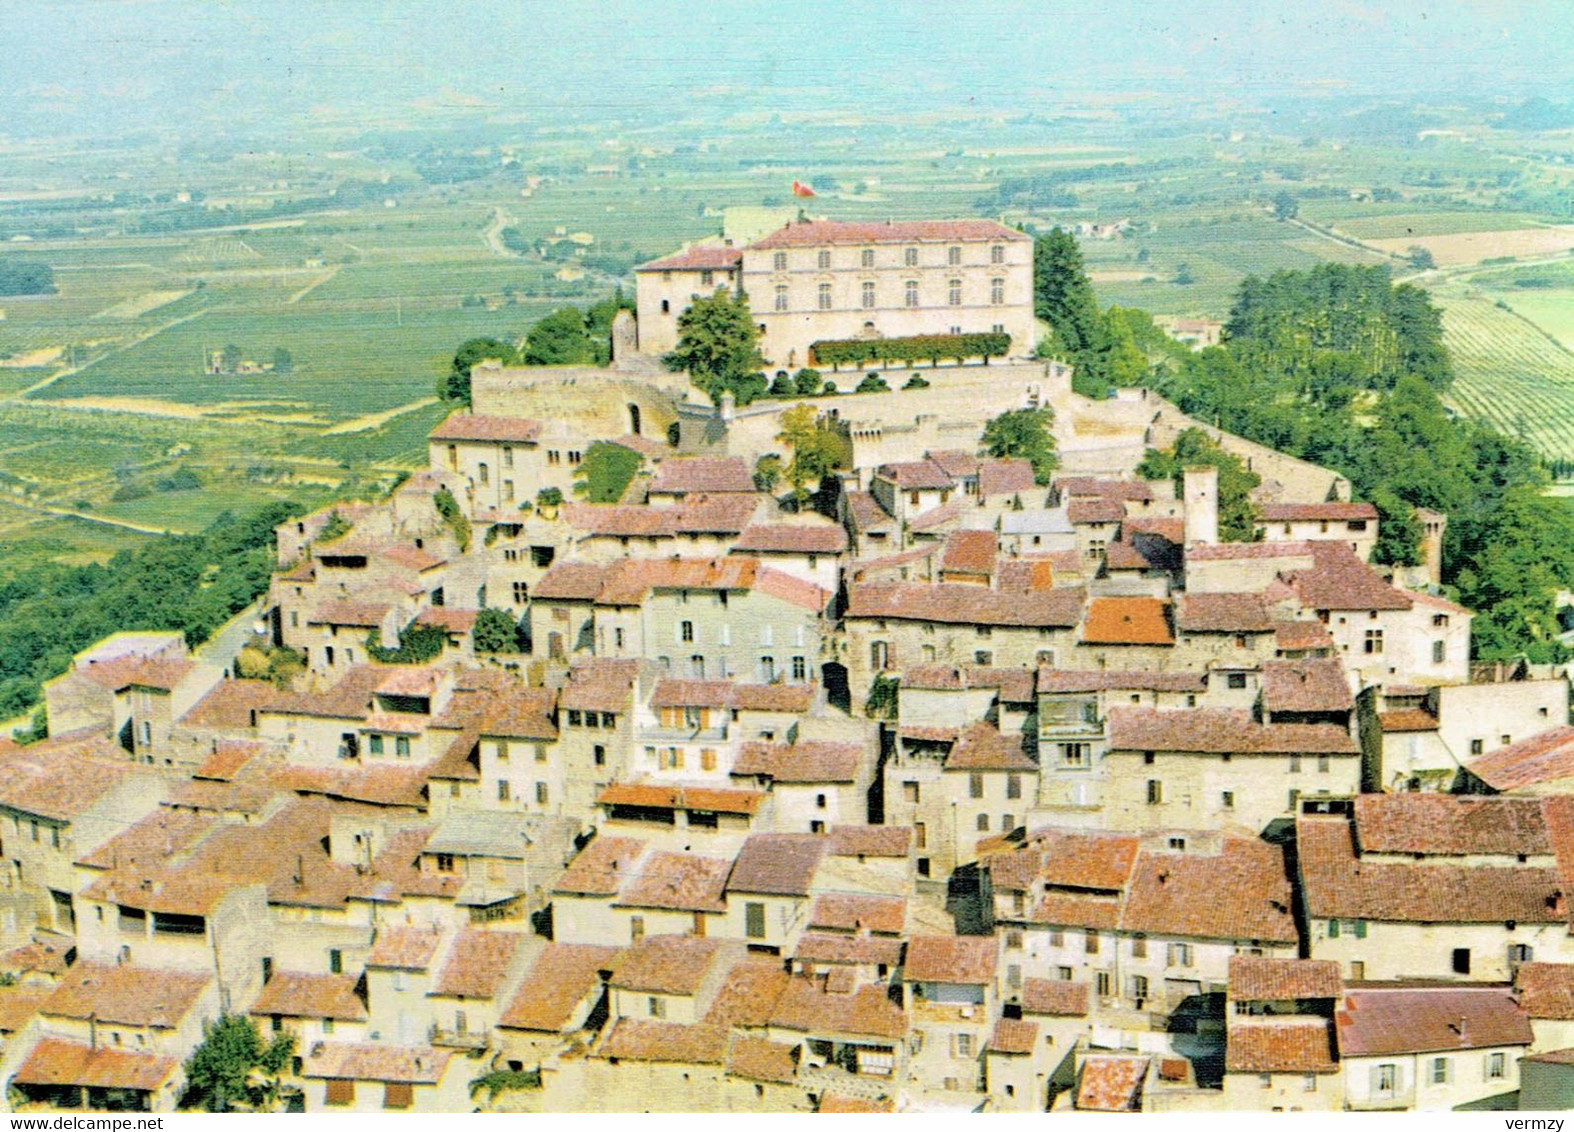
(910, 293)
(1090, 943)
(541, 793)
(910, 258)
(1139, 946)
(1139, 986)
(825, 296)
(953, 255)
(997, 292)
(962, 1044)
(975, 785)
(1101, 984)
(866, 257)
(636, 928)
(824, 259)
(1179, 955)
(954, 293)
(779, 261)
(340, 1092)
(656, 1006)
(1497, 1066)
(997, 253)
(398, 1094)
(754, 920)
(1384, 1079)
(781, 296)
(1155, 792)
(868, 295)
(1440, 1071)
(1013, 786)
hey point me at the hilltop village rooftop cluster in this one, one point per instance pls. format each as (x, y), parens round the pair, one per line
(949, 790)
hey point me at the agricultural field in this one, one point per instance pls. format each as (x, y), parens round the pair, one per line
(1509, 372)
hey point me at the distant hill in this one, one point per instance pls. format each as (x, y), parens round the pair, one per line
(1539, 114)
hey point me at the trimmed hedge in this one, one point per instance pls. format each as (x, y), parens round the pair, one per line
(918, 348)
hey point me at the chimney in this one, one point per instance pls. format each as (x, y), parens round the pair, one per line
(1200, 486)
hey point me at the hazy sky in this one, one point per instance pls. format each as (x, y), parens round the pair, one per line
(105, 65)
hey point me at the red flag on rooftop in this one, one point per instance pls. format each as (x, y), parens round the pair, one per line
(799, 189)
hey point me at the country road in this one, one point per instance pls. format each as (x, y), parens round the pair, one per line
(137, 341)
(494, 234)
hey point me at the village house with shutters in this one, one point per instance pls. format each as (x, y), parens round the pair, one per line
(947, 790)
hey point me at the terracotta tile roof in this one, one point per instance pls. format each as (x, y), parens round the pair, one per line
(1013, 1035)
(963, 604)
(755, 1059)
(951, 959)
(666, 964)
(1408, 719)
(1007, 476)
(1062, 680)
(1289, 635)
(801, 762)
(1111, 1084)
(1335, 883)
(981, 746)
(1255, 979)
(1280, 1045)
(777, 864)
(842, 1103)
(1015, 684)
(792, 538)
(229, 705)
(916, 475)
(1546, 990)
(229, 758)
(134, 996)
(570, 581)
(1340, 580)
(1449, 824)
(680, 882)
(969, 552)
(600, 685)
(853, 912)
(1137, 551)
(355, 614)
(1221, 731)
(53, 780)
(601, 867)
(459, 621)
(1223, 613)
(865, 512)
(405, 948)
(647, 1039)
(55, 1061)
(1240, 893)
(47, 956)
(1095, 511)
(19, 1005)
(137, 671)
(622, 520)
(350, 698)
(1333, 511)
(1128, 621)
(814, 233)
(870, 841)
(864, 950)
(1086, 487)
(680, 797)
(525, 713)
(806, 1007)
(365, 1061)
(562, 977)
(1060, 998)
(1068, 859)
(727, 513)
(298, 994)
(473, 426)
(794, 699)
(1375, 1022)
(700, 257)
(1311, 685)
(1230, 551)
(477, 964)
(682, 475)
(748, 993)
(1548, 757)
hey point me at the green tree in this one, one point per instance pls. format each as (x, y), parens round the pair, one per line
(767, 472)
(1285, 206)
(807, 382)
(815, 448)
(1026, 434)
(1063, 297)
(234, 1066)
(606, 471)
(559, 339)
(1195, 448)
(1420, 258)
(455, 384)
(335, 528)
(283, 362)
(718, 344)
(873, 383)
(230, 358)
(496, 631)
